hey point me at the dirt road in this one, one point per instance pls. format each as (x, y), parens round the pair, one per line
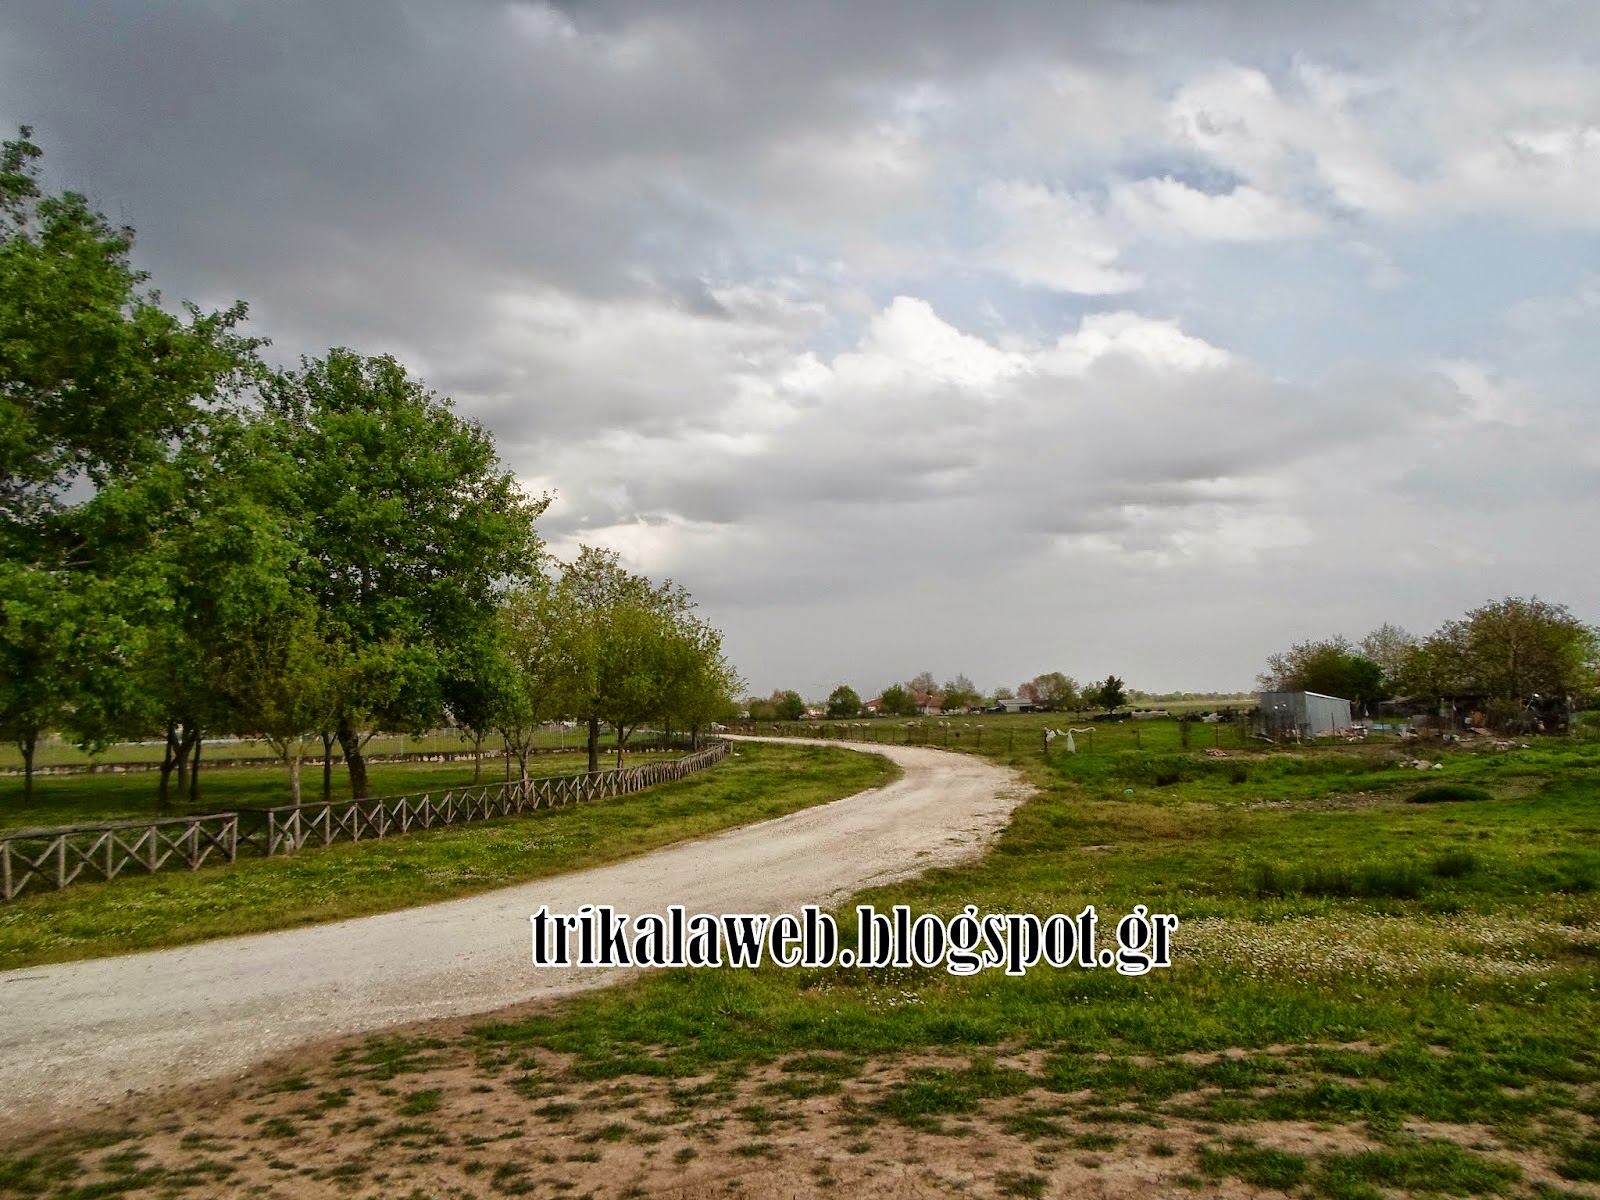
(81, 1034)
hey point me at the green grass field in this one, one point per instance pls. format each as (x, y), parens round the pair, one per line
(1368, 960)
(56, 751)
(1386, 982)
(137, 912)
(83, 799)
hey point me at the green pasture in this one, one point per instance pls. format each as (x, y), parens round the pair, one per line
(83, 799)
(1363, 959)
(137, 912)
(56, 751)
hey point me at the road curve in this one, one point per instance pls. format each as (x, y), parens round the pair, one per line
(76, 1035)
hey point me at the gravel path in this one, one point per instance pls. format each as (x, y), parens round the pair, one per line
(80, 1034)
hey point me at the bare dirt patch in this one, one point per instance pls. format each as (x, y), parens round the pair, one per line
(431, 1114)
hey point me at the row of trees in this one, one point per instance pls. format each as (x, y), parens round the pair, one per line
(1502, 654)
(1052, 692)
(193, 544)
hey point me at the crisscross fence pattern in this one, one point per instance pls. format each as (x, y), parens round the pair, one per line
(62, 856)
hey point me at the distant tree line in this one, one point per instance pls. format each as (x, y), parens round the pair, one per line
(1050, 692)
(193, 544)
(1503, 655)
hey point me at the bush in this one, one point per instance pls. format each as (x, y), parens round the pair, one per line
(1443, 793)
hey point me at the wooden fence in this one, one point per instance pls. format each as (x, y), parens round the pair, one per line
(60, 857)
(66, 854)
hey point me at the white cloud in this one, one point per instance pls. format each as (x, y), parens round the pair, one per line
(1167, 207)
(1051, 238)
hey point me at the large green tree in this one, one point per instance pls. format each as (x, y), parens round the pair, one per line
(406, 524)
(1506, 652)
(101, 389)
(1330, 667)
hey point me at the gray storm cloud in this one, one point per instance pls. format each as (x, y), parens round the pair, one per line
(835, 311)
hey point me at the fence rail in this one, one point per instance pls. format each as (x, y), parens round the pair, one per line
(60, 857)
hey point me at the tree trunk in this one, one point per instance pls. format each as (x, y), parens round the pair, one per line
(622, 743)
(350, 743)
(327, 764)
(594, 744)
(182, 755)
(477, 756)
(194, 771)
(168, 761)
(294, 774)
(29, 742)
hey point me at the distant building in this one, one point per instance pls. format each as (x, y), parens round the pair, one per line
(1015, 705)
(1310, 714)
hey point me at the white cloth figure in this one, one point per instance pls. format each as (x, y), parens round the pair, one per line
(1072, 746)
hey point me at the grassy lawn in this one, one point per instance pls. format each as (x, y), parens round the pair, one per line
(84, 799)
(1316, 904)
(1369, 998)
(55, 752)
(1359, 958)
(330, 883)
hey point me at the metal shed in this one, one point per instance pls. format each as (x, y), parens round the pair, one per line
(1311, 714)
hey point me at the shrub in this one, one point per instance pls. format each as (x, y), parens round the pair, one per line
(1444, 793)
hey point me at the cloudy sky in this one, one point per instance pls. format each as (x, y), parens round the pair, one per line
(1143, 337)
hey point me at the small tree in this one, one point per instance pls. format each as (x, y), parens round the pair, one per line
(1112, 694)
(843, 703)
(960, 693)
(1053, 691)
(536, 632)
(283, 677)
(790, 706)
(896, 701)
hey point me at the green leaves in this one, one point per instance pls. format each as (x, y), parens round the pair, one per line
(405, 524)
